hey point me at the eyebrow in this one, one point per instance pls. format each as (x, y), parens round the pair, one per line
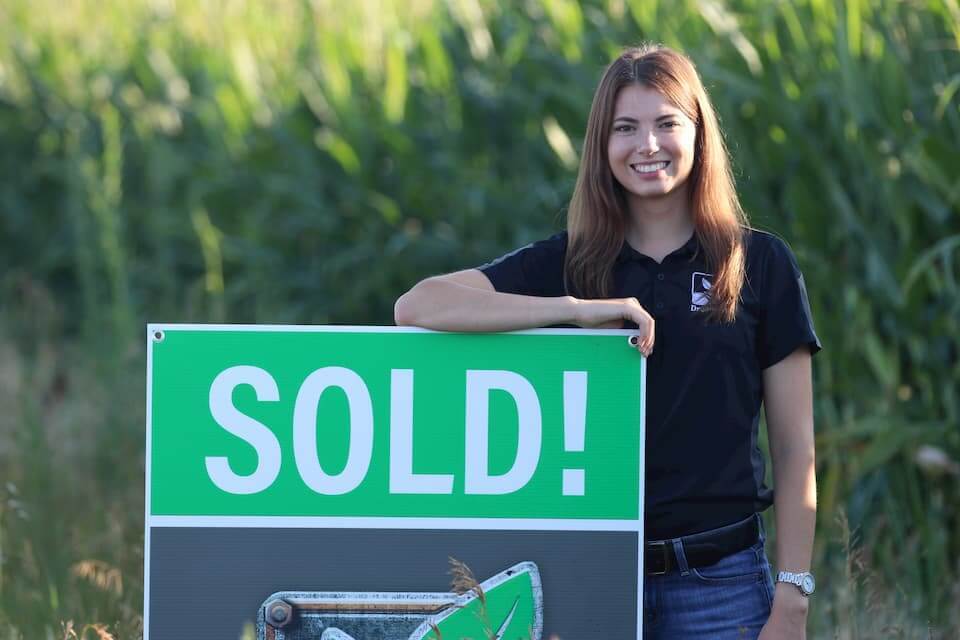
(631, 120)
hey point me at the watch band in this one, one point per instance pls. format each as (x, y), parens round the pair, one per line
(803, 581)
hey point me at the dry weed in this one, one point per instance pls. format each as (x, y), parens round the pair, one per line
(99, 631)
(101, 574)
(463, 581)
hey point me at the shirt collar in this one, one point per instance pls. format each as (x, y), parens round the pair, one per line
(689, 250)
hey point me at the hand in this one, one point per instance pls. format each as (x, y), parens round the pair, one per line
(780, 627)
(788, 618)
(611, 314)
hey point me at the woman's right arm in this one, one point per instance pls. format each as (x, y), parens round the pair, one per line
(466, 301)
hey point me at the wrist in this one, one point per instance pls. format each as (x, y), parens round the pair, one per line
(788, 600)
(571, 308)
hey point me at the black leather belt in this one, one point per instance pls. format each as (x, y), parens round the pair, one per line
(701, 549)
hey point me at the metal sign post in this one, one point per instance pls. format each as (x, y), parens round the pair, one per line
(317, 481)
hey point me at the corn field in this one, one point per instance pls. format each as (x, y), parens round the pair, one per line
(306, 161)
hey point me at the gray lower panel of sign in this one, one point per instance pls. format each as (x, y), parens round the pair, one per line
(208, 583)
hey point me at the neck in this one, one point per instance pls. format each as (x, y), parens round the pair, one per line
(659, 225)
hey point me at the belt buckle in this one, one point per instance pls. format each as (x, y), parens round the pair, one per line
(666, 557)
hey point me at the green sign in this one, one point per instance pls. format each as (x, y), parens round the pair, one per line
(317, 480)
(394, 423)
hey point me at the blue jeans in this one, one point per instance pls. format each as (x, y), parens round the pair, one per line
(727, 600)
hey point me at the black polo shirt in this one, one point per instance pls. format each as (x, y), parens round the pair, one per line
(704, 468)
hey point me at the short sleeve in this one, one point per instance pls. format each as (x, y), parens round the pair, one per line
(786, 323)
(533, 270)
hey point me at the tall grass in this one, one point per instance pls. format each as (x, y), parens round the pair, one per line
(305, 161)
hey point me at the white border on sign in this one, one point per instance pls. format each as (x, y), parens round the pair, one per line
(557, 524)
(348, 328)
(642, 461)
(146, 488)
(366, 522)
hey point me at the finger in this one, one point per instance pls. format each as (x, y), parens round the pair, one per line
(638, 343)
(643, 343)
(647, 340)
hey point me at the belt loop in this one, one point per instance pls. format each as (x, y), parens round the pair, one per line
(760, 530)
(681, 557)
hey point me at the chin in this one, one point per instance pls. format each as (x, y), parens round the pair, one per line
(652, 193)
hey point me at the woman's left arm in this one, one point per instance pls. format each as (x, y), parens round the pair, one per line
(788, 402)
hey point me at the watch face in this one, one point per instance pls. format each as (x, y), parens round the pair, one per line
(807, 584)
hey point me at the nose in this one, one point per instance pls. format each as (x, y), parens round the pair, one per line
(647, 143)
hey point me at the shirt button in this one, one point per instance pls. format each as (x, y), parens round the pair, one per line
(659, 305)
(659, 276)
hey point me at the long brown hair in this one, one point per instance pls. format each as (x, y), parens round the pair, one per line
(598, 213)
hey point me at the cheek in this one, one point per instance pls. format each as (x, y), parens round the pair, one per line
(613, 149)
(614, 154)
(690, 146)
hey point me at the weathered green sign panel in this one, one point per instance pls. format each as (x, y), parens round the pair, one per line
(323, 430)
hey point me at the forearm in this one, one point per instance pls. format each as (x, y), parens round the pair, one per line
(788, 400)
(795, 508)
(448, 306)
(795, 511)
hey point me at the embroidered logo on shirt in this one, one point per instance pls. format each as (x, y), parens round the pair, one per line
(700, 290)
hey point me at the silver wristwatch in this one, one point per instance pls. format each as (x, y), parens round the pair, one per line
(803, 581)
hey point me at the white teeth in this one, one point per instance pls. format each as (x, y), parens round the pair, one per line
(649, 168)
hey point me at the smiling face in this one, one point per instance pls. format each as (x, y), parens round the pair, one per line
(651, 144)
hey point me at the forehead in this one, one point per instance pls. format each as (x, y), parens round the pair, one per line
(640, 102)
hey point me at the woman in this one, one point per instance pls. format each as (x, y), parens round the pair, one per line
(656, 239)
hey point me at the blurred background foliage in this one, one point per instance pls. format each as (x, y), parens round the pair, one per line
(307, 161)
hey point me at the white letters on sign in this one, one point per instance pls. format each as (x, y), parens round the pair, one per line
(245, 428)
(477, 477)
(402, 477)
(479, 385)
(305, 431)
